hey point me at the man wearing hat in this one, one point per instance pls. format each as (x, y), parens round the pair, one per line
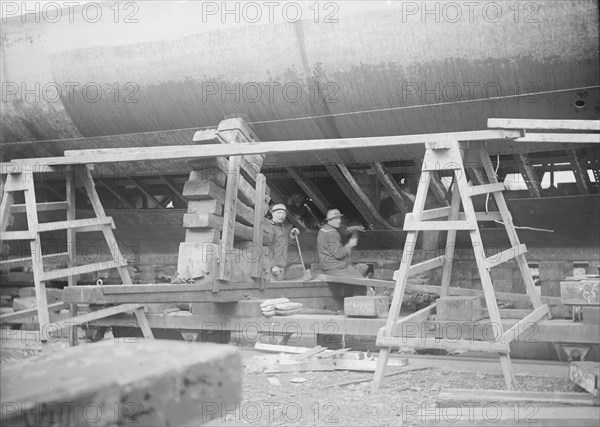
(278, 236)
(332, 254)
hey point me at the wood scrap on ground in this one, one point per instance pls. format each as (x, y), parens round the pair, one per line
(464, 395)
(299, 359)
(370, 378)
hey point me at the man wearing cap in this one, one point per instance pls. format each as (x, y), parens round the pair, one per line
(278, 236)
(332, 254)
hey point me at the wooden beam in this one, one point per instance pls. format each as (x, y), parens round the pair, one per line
(540, 124)
(570, 138)
(478, 190)
(513, 333)
(309, 188)
(229, 212)
(24, 314)
(344, 179)
(174, 189)
(403, 203)
(438, 190)
(145, 191)
(41, 207)
(7, 264)
(81, 269)
(504, 256)
(412, 319)
(529, 174)
(257, 228)
(114, 192)
(276, 147)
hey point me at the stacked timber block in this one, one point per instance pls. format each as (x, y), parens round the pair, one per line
(223, 239)
(148, 383)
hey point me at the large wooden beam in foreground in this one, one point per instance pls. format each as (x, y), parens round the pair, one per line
(145, 383)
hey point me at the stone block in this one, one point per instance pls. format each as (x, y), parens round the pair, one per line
(366, 306)
(465, 308)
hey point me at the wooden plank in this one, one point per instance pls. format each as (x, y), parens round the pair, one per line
(582, 292)
(35, 246)
(310, 353)
(257, 228)
(24, 314)
(71, 244)
(95, 315)
(437, 213)
(313, 365)
(426, 265)
(522, 325)
(20, 262)
(309, 188)
(275, 147)
(81, 269)
(508, 416)
(404, 204)
(443, 344)
(543, 124)
(364, 199)
(227, 236)
(439, 225)
(504, 256)
(88, 224)
(6, 204)
(18, 235)
(432, 213)
(414, 318)
(41, 207)
(477, 190)
(280, 348)
(586, 375)
(464, 395)
(140, 315)
(571, 138)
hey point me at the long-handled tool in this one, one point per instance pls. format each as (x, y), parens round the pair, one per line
(307, 275)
